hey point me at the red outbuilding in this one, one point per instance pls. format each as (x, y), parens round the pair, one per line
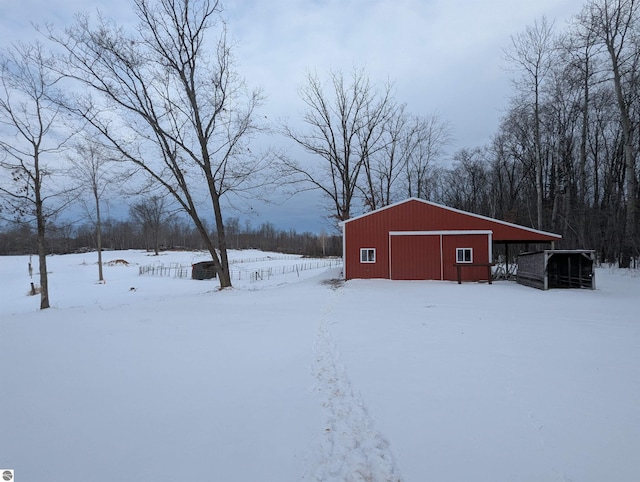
(421, 240)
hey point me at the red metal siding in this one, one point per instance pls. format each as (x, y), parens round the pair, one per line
(415, 215)
(372, 231)
(357, 238)
(415, 257)
(480, 245)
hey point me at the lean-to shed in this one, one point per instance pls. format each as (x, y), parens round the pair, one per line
(420, 240)
(203, 270)
(557, 269)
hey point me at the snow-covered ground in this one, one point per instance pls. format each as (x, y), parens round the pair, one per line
(300, 377)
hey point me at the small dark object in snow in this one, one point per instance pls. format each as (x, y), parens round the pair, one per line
(118, 262)
(132, 289)
(334, 284)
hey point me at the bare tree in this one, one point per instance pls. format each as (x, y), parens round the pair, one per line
(345, 130)
(177, 111)
(531, 54)
(382, 170)
(93, 168)
(580, 54)
(151, 213)
(616, 26)
(424, 144)
(29, 140)
(468, 186)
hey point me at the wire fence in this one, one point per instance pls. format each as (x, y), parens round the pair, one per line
(175, 270)
(263, 258)
(261, 274)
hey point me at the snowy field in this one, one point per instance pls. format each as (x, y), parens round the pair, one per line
(299, 377)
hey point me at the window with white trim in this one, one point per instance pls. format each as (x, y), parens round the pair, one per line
(464, 255)
(367, 255)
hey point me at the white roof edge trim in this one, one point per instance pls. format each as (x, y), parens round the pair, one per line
(460, 211)
(437, 233)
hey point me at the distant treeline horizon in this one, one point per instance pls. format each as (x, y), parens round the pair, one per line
(174, 234)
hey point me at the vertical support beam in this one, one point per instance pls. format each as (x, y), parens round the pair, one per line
(545, 271)
(490, 243)
(581, 284)
(506, 257)
(442, 261)
(344, 252)
(390, 265)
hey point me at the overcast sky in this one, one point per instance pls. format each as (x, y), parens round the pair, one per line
(444, 57)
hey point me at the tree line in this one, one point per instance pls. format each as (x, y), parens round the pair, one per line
(161, 110)
(170, 233)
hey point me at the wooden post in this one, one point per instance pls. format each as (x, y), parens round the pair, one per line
(506, 257)
(580, 282)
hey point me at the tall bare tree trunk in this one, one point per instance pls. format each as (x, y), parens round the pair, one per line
(538, 158)
(531, 53)
(224, 273)
(98, 234)
(584, 135)
(41, 233)
(615, 26)
(629, 158)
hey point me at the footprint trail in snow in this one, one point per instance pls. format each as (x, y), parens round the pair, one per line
(352, 450)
